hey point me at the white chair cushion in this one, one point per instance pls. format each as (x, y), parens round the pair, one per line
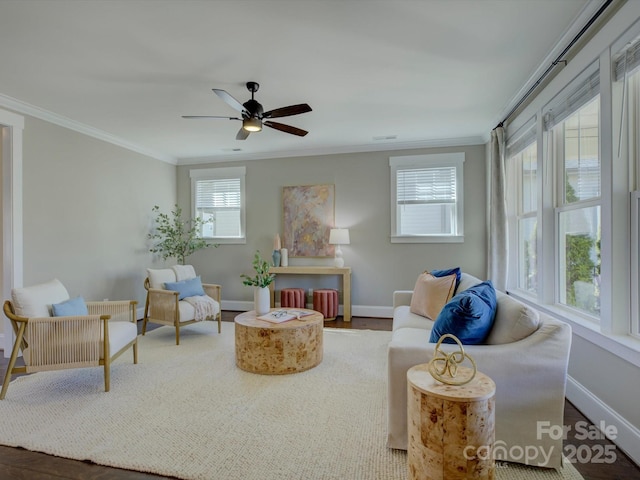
(187, 311)
(184, 272)
(158, 277)
(36, 301)
(120, 334)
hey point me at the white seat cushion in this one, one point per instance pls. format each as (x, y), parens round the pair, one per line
(403, 318)
(36, 301)
(120, 334)
(187, 311)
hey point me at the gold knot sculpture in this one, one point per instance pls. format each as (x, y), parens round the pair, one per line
(444, 366)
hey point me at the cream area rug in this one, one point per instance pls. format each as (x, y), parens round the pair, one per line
(187, 411)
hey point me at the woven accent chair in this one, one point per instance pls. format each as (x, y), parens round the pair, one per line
(167, 307)
(64, 342)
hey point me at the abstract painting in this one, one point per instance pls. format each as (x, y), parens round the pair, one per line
(308, 213)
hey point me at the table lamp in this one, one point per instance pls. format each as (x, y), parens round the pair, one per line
(337, 237)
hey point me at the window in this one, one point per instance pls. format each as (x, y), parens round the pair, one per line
(426, 198)
(573, 132)
(522, 155)
(218, 199)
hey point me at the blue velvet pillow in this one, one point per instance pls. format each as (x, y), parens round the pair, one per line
(447, 272)
(69, 308)
(186, 288)
(469, 315)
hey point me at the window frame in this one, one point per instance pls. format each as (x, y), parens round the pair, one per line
(221, 173)
(407, 162)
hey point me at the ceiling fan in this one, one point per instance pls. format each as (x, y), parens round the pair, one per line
(254, 116)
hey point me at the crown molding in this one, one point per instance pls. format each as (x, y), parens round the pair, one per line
(37, 112)
(589, 9)
(378, 147)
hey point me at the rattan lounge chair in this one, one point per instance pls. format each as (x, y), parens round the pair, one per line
(166, 307)
(63, 342)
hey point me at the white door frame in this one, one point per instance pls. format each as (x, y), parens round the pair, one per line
(11, 127)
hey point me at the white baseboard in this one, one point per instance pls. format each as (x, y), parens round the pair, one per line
(356, 310)
(628, 436)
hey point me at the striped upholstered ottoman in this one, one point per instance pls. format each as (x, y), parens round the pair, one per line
(325, 301)
(292, 298)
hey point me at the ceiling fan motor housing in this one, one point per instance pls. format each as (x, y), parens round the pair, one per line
(254, 109)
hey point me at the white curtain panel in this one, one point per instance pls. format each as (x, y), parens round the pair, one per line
(498, 244)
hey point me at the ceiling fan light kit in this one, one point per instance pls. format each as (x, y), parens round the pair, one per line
(254, 116)
(252, 124)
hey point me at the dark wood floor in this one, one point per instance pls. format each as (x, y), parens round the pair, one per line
(18, 464)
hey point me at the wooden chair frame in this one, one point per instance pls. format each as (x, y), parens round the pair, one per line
(50, 348)
(162, 306)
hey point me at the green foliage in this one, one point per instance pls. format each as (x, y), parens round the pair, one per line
(174, 237)
(580, 267)
(262, 278)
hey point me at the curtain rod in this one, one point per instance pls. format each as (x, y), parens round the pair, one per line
(557, 61)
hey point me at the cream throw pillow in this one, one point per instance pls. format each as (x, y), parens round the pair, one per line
(431, 293)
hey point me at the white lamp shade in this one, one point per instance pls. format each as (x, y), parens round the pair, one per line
(339, 236)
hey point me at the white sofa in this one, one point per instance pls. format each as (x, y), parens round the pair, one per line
(526, 354)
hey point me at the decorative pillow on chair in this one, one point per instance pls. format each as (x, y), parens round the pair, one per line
(431, 293)
(469, 315)
(70, 308)
(186, 288)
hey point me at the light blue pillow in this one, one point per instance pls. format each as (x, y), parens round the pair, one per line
(186, 288)
(69, 308)
(469, 315)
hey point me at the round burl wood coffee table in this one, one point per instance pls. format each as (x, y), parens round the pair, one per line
(278, 348)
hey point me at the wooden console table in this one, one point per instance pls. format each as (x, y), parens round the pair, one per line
(346, 282)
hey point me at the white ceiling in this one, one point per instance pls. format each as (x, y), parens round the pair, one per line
(428, 72)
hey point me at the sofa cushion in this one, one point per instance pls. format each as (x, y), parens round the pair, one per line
(469, 315)
(514, 321)
(36, 301)
(186, 288)
(72, 307)
(158, 277)
(403, 318)
(431, 293)
(466, 281)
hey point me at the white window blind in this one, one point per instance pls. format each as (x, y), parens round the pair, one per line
(427, 185)
(427, 197)
(522, 138)
(218, 198)
(577, 94)
(627, 62)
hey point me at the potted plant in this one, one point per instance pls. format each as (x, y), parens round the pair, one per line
(260, 283)
(176, 238)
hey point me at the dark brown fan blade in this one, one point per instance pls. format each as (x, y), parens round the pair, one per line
(286, 128)
(229, 100)
(210, 116)
(242, 134)
(287, 111)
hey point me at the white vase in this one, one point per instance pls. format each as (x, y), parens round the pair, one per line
(261, 300)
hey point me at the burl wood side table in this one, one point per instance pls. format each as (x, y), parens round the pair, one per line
(278, 348)
(451, 428)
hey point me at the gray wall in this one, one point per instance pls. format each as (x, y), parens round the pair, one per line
(87, 211)
(362, 191)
